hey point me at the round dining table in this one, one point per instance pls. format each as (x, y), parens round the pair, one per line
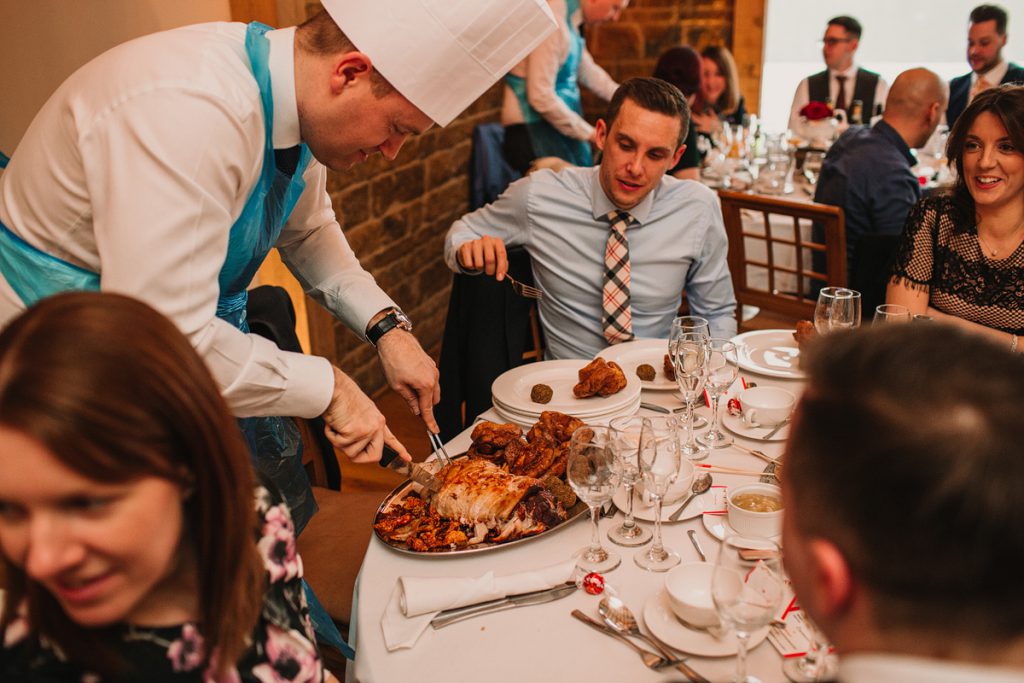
(544, 642)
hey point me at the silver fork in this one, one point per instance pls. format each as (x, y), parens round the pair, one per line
(439, 449)
(524, 290)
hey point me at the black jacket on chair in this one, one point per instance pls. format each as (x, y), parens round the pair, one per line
(485, 334)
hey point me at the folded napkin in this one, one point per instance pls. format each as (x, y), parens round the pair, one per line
(416, 600)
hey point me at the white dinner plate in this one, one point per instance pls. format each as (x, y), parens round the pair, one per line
(664, 626)
(645, 512)
(528, 420)
(738, 426)
(512, 390)
(719, 527)
(630, 355)
(769, 352)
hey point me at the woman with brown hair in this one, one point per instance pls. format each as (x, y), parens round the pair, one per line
(135, 541)
(962, 254)
(721, 90)
(681, 67)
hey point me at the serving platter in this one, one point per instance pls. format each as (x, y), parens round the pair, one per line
(408, 486)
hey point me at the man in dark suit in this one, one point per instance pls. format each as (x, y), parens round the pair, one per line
(985, 40)
(843, 82)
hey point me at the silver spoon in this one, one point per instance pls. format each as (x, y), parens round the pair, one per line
(619, 617)
(701, 483)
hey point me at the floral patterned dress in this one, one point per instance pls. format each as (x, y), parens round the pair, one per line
(283, 648)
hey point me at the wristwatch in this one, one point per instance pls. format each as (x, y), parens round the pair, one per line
(394, 318)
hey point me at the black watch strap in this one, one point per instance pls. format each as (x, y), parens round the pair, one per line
(390, 321)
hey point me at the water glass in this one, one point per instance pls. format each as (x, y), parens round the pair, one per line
(723, 368)
(626, 432)
(838, 308)
(746, 587)
(891, 313)
(818, 663)
(812, 165)
(660, 466)
(689, 352)
(593, 474)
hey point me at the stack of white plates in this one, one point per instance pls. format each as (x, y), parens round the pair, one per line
(510, 393)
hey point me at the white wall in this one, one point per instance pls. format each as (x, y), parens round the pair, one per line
(43, 41)
(898, 35)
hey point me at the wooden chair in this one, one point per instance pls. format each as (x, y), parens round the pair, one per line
(772, 255)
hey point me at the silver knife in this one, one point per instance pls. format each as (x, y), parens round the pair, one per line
(415, 471)
(450, 616)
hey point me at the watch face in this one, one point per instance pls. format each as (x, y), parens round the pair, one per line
(402, 320)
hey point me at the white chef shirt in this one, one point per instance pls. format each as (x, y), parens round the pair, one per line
(802, 95)
(540, 68)
(137, 166)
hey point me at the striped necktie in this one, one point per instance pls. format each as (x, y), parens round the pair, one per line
(618, 319)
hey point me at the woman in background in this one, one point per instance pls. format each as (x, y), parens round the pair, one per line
(542, 109)
(962, 255)
(681, 66)
(721, 85)
(135, 543)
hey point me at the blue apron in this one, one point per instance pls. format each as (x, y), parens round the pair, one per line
(545, 138)
(274, 442)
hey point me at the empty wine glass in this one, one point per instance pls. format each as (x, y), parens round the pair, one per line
(812, 165)
(818, 663)
(723, 367)
(696, 324)
(660, 466)
(626, 442)
(746, 587)
(592, 473)
(838, 308)
(891, 313)
(689, 352)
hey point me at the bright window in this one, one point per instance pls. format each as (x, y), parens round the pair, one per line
(898, 35)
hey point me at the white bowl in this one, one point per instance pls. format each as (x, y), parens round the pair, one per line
(766, 406)
(749, 522)
(688, 587)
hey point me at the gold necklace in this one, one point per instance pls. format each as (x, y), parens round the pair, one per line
(995, 252)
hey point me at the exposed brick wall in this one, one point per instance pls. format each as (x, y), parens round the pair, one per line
(396, 214)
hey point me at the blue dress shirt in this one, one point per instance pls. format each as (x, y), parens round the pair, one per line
(867, 173)
(677, 243)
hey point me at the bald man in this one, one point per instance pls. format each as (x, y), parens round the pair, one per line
(867, 170)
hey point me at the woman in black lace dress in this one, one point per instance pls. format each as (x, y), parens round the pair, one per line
(962, 254)
(134, 541)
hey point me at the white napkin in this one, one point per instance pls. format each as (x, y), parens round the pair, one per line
(416, 600)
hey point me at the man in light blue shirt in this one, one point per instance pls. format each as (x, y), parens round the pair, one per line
(676, 241)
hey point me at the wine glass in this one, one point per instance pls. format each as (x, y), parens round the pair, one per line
(592, 473)
(660, 466)
(690, 323)
(818, 663)
(723, 367)
(838, 308)
(891, 313)
(689, 352)
(812, 166)
(746, 587)
(626, 433)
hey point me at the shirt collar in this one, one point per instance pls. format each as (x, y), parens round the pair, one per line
(994, 75)
(849, 73)
(282, 85)
(888, 668)
(889, 133)
(602, 204)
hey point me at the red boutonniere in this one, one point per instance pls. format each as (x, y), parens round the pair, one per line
(816, 111)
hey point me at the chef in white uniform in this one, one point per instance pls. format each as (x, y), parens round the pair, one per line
(167, 167)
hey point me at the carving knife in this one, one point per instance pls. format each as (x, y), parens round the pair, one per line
(414, 470)
(450, 616)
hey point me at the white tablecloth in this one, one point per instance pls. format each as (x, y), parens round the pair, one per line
(542, 642)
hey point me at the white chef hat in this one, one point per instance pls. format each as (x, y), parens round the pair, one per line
(443, 54)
